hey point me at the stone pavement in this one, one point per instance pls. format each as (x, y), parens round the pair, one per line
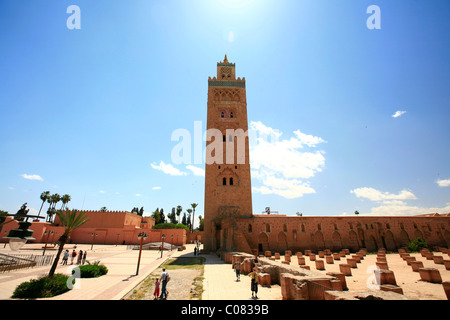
(219, 283)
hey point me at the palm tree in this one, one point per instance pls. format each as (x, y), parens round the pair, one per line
(356, 212)
(104, 209)
(193, 205)
(54, 199)
(189, 221)
(65, 199)
(70, 220)
(179, 209)
(44, 197)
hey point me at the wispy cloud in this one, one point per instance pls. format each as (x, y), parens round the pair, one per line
(281, 164)
(156, 188)
(196, 170)
(102, 192)
(376, 195)
(443, 183)
(138, 194)
(168, 169)
(32, 177)
(398, 114)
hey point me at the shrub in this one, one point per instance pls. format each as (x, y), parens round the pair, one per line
(43, 287)
(417, 245)
(94, 270)
(170, 226)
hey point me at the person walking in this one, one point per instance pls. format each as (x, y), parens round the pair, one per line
(72, 256)
(80, 256)
(156, 292)
(65, 257)
(84, 257)
(164, 279)
(237, 268)
(254, 283)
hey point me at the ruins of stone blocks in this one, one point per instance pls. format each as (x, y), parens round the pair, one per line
(392, 288)
(447, 264)
(336, 256)
(409, 259)
(277, 255)
(416, 265)
(345, 269)
(352, 262)
(301, 261)
(382, 265)
(320, 265)
(268, 254)
(341, 277)
(438, 259)
(264, 280)
(385, 277)
(430, 275)
(446, 286)
(329, 259)
(312, 257)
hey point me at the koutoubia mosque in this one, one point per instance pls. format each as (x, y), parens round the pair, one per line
(229, 222)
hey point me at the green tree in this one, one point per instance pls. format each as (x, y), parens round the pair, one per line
(193, 205)
(163, 217)
(183, 221)
(53, 200)
(189, 221)
(201, 223)
(356, 212)
(44, 197)
(179, 209)
(65, 199)
(156, 215)
(103, 209)
(70, 220)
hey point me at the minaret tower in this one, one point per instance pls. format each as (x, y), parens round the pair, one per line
(227, 170)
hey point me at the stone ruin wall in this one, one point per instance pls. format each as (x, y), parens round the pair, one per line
(280, 233)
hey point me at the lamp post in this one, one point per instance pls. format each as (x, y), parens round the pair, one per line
(46, 241)
(93, 238)
(171, 245)
(141, 236)
(162, 244)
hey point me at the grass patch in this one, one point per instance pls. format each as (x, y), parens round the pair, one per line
(195, 263)
(146, 287)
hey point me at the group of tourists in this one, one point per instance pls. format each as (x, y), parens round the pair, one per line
(80, 260)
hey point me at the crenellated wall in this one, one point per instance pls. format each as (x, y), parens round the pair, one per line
(280, 233)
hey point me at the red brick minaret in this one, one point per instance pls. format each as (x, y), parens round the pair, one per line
(227, 170)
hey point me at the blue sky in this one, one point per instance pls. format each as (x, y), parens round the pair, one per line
(91, 112)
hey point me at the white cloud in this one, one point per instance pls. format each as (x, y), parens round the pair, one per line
(168, 169)
(11, 188)
(376, 195)
(156, 188)
(400, 208)
(398, 114)
(443, 183)
(102, 192)
(281, 164)
(32, 177)
(196, 171)
(138, 194)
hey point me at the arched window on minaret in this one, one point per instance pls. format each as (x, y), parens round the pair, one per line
(224, 181)
(231, 181)
(231, 114)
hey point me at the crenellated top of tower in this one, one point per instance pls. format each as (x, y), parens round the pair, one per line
(226, 71)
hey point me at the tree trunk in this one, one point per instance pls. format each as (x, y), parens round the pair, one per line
(62, 241)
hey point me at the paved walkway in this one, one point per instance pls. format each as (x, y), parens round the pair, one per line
(219, 283)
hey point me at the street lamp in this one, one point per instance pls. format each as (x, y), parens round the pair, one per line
(141, 236)
(46, 241)
(162, 244)
(18, 237)
(93, 238)
(171, 245)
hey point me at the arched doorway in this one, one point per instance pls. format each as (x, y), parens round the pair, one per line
(389, 241)
(263, 242)
(282, 242)
(318, 241)
(337, 241)
(404, 239)
(353, 241)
